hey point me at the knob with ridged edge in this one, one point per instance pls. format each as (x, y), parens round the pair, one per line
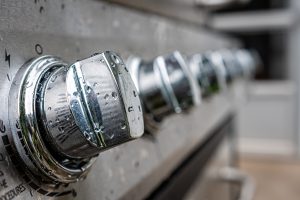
(68, 114)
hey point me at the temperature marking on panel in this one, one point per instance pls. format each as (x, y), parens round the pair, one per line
(7, 58)
(2, 127)
(38, 49)
(3, 184)
(11, 194)
(130, 108)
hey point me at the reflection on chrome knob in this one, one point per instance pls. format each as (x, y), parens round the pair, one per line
(67, 114)
(165, 85)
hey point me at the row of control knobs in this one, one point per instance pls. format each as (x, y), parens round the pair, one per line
(63, 115)
(174, 83)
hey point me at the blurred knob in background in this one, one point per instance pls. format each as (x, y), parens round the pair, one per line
(215, 70)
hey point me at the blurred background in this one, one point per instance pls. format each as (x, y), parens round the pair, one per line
(268, 125)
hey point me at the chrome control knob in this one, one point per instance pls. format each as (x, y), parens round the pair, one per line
(67, 114)
(209, 71)
(217, 61)
(165, 86)
(100, 113)
(248, 61)
(232, 66)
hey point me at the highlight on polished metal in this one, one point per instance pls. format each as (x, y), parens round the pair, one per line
(165, 85)
(62, 116)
